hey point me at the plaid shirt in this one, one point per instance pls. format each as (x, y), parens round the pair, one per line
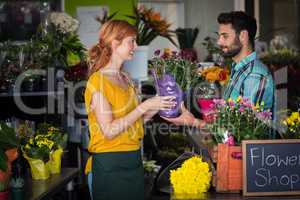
(251, 79)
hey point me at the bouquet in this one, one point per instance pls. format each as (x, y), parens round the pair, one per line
(239, 120)
(172, 74)
(192, 179)
(178, 65)
(292, 126)
(150, 25)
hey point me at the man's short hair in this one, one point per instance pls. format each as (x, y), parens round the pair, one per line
(240, 21)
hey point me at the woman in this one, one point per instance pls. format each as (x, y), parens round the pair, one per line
(115, 117)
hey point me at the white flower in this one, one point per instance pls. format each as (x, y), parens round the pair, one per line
(64, 22)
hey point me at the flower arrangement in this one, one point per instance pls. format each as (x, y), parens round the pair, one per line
(292, 126)
(150, 24)
(192, 179)
(178, 65)
(58, 43)
(215, 74)
(64, 22)
(239, 120)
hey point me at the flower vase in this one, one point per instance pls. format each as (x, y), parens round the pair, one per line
(205, 93)
(54, 164)
(138, 66)
(39, 169)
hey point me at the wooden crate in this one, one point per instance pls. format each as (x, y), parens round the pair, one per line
(229, 169)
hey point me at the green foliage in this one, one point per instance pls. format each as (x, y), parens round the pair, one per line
(55, 46)
(17, 182)
(187, 37)
(8, 140)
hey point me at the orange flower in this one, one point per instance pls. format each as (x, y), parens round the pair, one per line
(11, 154)
(215, 73)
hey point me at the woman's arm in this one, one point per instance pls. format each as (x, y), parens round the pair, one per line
(112, 127)
(149, 114)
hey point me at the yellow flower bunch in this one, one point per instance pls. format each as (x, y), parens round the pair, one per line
(39, 147)
(192, 179)
(215, 73)
(292, 125)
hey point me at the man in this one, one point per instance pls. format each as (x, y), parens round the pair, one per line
(250, 78)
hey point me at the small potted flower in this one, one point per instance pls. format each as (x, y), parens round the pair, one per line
(43, 151)
(291, 124)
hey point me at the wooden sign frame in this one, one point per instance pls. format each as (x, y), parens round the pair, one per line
(275, 141)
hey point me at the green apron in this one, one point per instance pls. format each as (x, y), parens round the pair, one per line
(118, 176)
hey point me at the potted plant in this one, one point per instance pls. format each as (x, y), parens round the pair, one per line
(186, 38)
(17, 188)
(176, 65)
(8, 153)
(234, 121)
(43, 151)
(291, 126)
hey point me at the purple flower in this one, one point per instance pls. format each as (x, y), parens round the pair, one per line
(157, 52)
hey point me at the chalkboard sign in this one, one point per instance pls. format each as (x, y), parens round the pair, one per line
(271, 167)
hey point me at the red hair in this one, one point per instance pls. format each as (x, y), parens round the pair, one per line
(100, 54)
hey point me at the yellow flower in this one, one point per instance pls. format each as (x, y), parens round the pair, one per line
(192, 178)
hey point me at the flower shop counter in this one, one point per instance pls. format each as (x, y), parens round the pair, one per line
(44, 189)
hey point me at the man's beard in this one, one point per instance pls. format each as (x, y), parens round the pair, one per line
(234, 50)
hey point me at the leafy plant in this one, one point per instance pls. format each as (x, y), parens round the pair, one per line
(187, 37)
(149, 25)
(8, 140)
(17, 182)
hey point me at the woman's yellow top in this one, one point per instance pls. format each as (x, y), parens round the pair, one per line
(122, 102)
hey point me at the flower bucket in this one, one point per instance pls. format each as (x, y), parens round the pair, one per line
(54, 164)
(229, 168)
(39, 170)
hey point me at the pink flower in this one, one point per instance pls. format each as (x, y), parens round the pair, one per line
(230, 140)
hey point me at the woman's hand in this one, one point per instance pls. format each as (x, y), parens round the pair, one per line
(158, 103)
